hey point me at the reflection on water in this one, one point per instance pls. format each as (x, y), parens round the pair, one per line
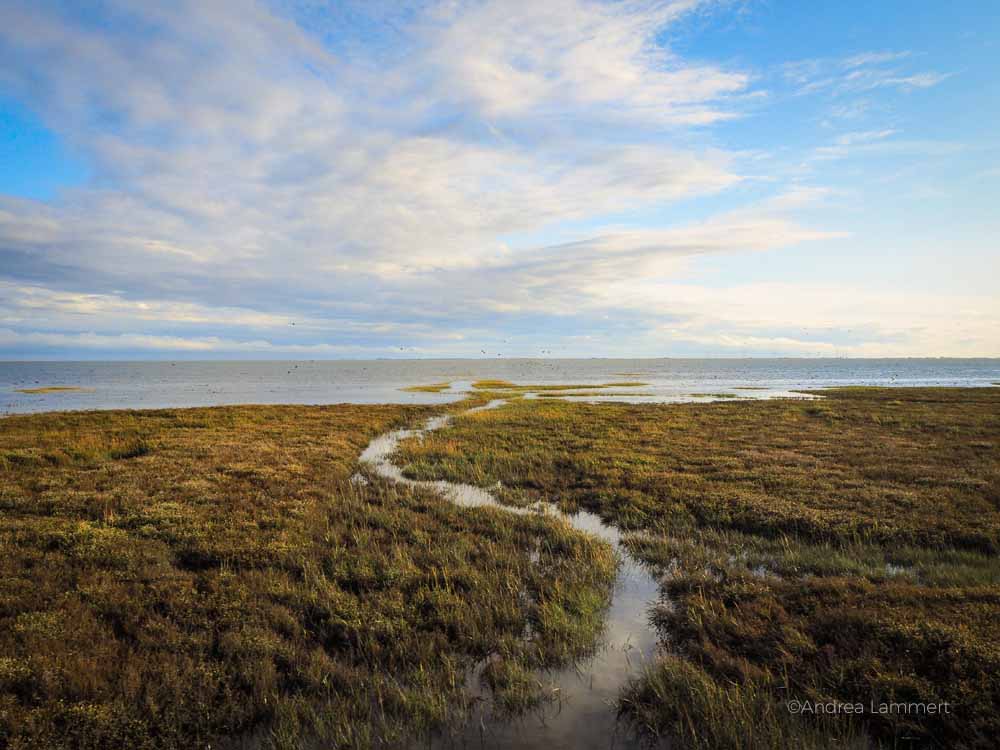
(583, 715)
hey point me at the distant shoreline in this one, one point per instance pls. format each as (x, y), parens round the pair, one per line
(178, 360)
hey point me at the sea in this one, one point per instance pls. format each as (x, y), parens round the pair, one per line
(161, 384)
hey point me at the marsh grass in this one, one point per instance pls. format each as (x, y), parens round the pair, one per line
(429, 388)
(50, 389)
(185, 577)
(840, 549)
(569, 394)
(503, 387)
(678, 699)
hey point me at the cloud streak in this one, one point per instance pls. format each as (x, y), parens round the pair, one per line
(858, 74)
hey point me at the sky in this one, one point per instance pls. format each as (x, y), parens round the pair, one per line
(570, 178)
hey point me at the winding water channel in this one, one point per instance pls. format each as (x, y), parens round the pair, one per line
(584, 716)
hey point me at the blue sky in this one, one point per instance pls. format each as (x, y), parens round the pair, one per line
(575, 178)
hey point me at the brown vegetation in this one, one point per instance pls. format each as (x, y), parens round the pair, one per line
(174, 578)
(842, 549)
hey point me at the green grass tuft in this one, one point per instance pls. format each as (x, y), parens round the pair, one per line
(430, 388)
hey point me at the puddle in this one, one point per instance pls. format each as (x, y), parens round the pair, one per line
(584, 715)
(892, 570)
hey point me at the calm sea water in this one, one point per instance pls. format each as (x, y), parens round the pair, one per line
(117, 385)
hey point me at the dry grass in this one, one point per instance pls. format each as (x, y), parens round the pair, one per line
(175, 578)
(857, 465)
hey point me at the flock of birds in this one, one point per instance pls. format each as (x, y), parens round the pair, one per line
(481, 351)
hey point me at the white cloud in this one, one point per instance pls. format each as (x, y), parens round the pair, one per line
(847, 143)
(178, 344)
(867, 136)
(858, 74)
(258, 190)
(873, 58)
(229, 143)
(521, 57)
(822, 319)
